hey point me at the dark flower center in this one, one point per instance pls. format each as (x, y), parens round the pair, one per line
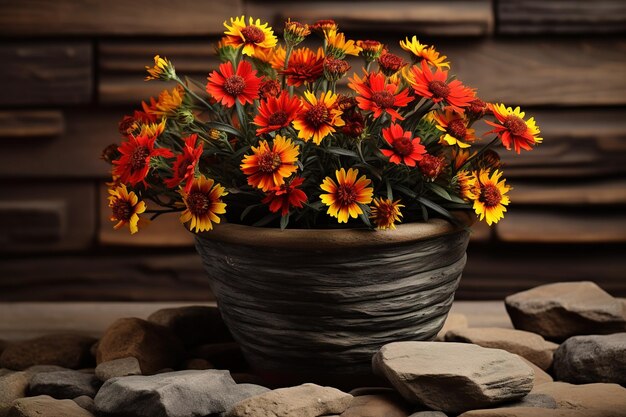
(316, 115)
(515, 125)
(383, 99)
(234, 85)
(198, 203)
(385, 212)
(253, 34)
(477, 107)
(346, 195)
(269, 162)
(439, 89)
(457, 128)
(336, 66)
(138, 157)
(490, 195)
(122, 210)
(391, 62)
(403, 146)
(269, 88)
(431, 166)
(279, 118)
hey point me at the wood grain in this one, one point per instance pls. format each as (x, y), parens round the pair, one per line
(580, 193)
(24, 124)
(45, 73)
(115, 17)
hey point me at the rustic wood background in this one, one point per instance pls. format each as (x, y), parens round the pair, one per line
(70, 69)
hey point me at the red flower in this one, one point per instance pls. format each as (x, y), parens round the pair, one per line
(378, 96)
(227, 86)
(404, 148)
(304, 66)
(432, 166)
(286, 196)
(390, 64)
(184, 168)
(454, 94)
(276, 113)
(134, 163)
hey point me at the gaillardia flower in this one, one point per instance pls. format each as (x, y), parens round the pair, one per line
(421, 52)
(286, 196)
(491, 197)
(202, 204)
(226, 85)
(168, 102)
(404, 148)
(345, 196)
(126, 208)
(338, 47)
(184, 169)
(370, 50)
(318, 117)
(390, 64)
(268, 167)
(295, 32)
(324, 26)
(434, 86)
(252, 36)
(431, 166)
(378, 96)
(276, 113)
(304, 66)
(385, 213)
(162, 70)
(134, 163)
(455, 129)
(513, 130)
(465, 185)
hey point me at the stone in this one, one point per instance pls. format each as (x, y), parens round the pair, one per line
(175, 394)
(222, 355)
(565, 309)
(66, 350)
(194, 325)
(86, 403)
(453, 377)
(64, 384)
(541, 376)
(594, 400)
(588, 359)
(154, 346)
(377, 405)
(356, 392)
(526, 344)
(429, 414)
(453, 321)
(523, 412)
(45, 406)
(117, 367)
(307, 400)
(38, 369)
(198, 363)
(13, 385)
(534, 400)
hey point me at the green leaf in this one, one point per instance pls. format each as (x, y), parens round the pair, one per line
(266, 220)
(437, 208)
(341, 151)
(389, 191)
(247, 210)
(224, 128)
(317, 205)
(284, 221)
(406, 191)
(440, 191)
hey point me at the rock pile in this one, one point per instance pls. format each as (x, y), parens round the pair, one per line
(178, 363)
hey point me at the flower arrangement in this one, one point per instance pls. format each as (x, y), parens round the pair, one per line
(274, 138)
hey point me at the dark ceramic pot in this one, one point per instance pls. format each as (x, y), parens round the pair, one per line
(315, 305)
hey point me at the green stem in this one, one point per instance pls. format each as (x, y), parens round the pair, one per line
(286, 64)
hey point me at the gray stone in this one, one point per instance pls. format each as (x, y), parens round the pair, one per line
(561, 310)
(526, 344)
(13, 385)
(307, 400)
(86, 403)
(39, 369)
(588, 359)
(117, 367)
(194, 325)
(453, 377)
(378, 405)
(593, 400)
(45, 406)
(66, 350)
(64, 384)
(453, 321)
(534, 400)
(175, 394)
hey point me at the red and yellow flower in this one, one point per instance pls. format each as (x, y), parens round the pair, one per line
(184, 169)
(491, 197)
(319, 117)
(465, 185)
(277, 113)
(421, 52)
(512, 129)
(304, 66)
(252, 37)
(370, 50)
(378, 96)
(203, 202)
(268, 167)
(227, 85)
(167, 103)
(338, 47)
(136, 154)
(434, 86)
(126, 208)
(346, 195)
(455, 129)
(324, 26)
(161, 70)
(404, 147)
(431, 166)
(385, 213)
(286, 196)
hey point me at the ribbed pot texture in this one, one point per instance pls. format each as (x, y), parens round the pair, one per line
(322, 302)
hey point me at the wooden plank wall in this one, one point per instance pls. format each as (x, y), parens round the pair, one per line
(72, 68)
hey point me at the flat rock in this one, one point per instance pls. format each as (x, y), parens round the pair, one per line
(66, 350)
(194, 325)
(453, 377)
(86, 403)
(45, 406)
(154, 346)
(225, 355)
(523, 412)
(526, 344)
(13, 385)
(561, 310)
(307, 400)
(593, 400)
(533, 400)
(117, 367)
(453, 321)
(541, 376)
(588, 359)
(175, 394)
(377, 405)
(64, 384)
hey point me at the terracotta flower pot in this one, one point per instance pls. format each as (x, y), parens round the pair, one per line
(315, 305)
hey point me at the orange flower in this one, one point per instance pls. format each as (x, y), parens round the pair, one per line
(435, 87)
(126, 208)
(202, 204)
(490, 199)
(324, 26)
(276, 113)
(404, 148)
(346, 195)
(184, 169)
(286, 196)
(370, 50)
(252, 37)
(227, 86)
(318, 117)
(134, 163)
(304, 66)
(421, 52)
(512, 129)
(167, 103)
(268, 167)
(161, 70)
(390, 64)
(338, 47)
(385, 213)
(377, 96)
(295, 32)
(455, 129)
(465, 185)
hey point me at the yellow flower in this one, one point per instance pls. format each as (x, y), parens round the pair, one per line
(126, 208)
(455, 129)
(253, 36)
(203, 203)
(385, 213)
(268, 167)
(338, 47)
(295, 32)
(345, 195)
(512, 129)
(168, 102)
(465, 185)
(152, 129)
(161, 70)
(422, 52)
(318, 117)
(490, 195)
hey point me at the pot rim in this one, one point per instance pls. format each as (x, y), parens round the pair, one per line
(348, 238)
